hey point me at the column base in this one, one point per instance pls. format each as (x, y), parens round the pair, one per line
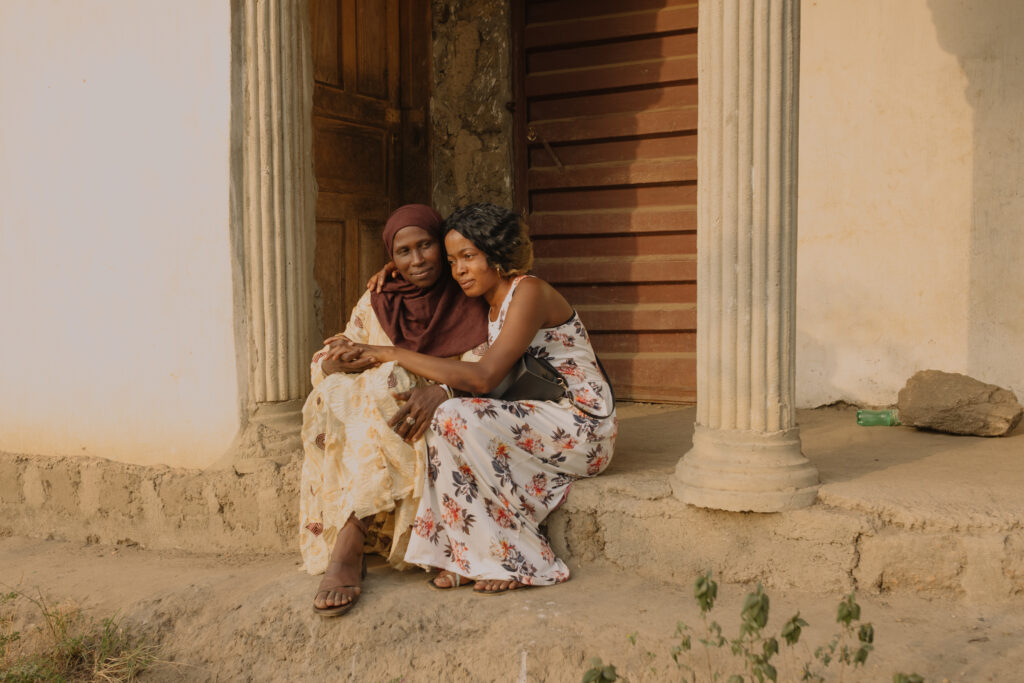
(746, 471)
(273, 436)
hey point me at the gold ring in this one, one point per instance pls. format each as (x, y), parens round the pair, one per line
(410, 420)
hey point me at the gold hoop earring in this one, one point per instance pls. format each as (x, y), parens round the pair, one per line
(499, 270)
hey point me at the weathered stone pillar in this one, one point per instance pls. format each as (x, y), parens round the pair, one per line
(746, 446)
(278, 209)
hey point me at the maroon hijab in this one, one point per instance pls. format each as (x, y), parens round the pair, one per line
(440, 321)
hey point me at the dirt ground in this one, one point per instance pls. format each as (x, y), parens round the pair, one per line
(249, 618)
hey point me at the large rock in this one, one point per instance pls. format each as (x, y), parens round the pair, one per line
(958, 404)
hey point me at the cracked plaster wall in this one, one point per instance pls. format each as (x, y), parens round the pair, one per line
(471, 127)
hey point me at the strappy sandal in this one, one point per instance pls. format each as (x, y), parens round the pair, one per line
(459, 581)
(338, 610)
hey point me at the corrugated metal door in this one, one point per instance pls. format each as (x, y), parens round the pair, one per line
(606, 145)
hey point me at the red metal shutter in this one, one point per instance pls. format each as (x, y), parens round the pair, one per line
(606, 167)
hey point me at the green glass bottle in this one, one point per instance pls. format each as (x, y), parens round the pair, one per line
(878, 418)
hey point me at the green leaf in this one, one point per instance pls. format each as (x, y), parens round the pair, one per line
(770, 647)
(849, 610)
(608, 674)
(907, 678)
(705, 590)
(735, 679)
(792, 629)
(632, 637)
(755, 610)
(866, 634)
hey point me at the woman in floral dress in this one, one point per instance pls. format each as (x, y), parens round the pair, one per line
(496, 469)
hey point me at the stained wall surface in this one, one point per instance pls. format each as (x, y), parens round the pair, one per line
(471, 128)
(910, 213)
(115, 273)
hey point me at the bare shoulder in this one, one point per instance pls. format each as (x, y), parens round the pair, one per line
(538, 293)
(535, 290)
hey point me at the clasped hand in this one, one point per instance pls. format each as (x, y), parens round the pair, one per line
(343, 356)
(359, 356)
(417, 406)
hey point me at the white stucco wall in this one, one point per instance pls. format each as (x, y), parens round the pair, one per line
(911, 203)
(114, 243)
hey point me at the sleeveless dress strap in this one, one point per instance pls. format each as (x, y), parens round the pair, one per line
(503, 311)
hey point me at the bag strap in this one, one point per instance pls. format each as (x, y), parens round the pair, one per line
(572, 398)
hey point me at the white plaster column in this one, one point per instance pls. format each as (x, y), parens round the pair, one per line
(278, 217)
(746, 446)
(279, 198)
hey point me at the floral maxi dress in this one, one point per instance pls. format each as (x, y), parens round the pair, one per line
(496, 469)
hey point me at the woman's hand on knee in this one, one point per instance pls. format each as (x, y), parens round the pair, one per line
(413, 417)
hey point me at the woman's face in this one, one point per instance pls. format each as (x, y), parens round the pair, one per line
(417, 255)
(469, 265)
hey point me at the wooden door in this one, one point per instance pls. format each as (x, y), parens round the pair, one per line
(606, 145)
(371, 66)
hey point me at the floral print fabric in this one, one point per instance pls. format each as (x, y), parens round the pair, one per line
(496, 469)
(354, 462)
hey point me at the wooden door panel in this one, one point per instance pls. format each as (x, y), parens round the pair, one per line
(579, 10)
(641, 49)
(365, 138)
(660, 17)
(364, 152)
(649, 244)
(372, 48)
(638, 220)
(324, 24)
(606, 152)
(630, 293)
(662, 97)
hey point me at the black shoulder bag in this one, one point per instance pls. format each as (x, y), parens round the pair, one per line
(535, 379)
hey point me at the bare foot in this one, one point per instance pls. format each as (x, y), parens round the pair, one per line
(446, 580)
(497, 586)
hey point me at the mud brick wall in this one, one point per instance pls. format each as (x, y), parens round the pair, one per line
(471, 127)
(92, 500)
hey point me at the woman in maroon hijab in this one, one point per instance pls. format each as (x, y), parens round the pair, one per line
(364, 452)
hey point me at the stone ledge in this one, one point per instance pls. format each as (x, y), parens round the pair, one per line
(898, 511)
(92, 500)
(822, 548)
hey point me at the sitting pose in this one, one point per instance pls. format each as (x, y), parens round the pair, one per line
(364, 464)
(496, 468)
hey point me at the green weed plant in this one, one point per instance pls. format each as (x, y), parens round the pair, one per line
(752, 652)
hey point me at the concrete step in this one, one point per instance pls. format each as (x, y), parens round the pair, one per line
(899, 510)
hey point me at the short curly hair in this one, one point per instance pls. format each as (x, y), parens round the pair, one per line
(496, 231)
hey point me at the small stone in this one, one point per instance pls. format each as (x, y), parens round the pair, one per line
(957, 404)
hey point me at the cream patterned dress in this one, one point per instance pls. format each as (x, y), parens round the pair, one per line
(354, 462)
(496, 469)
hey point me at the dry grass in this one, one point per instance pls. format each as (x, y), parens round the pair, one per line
(68, 646)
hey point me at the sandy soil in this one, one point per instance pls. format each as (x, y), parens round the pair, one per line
(235, 618)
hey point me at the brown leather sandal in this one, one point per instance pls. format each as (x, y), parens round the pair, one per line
(338, 610)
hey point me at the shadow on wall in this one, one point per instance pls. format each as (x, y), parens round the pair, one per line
(985, 38)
